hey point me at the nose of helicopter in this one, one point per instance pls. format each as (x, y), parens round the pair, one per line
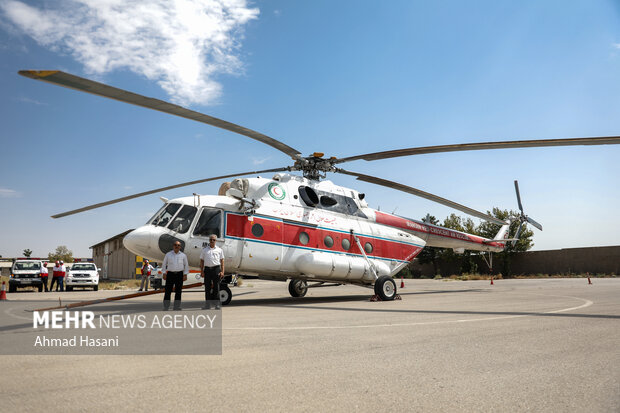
(138, 240)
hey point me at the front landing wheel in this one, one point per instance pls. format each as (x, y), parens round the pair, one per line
(385, 288)
(225, 294)
(297, 288)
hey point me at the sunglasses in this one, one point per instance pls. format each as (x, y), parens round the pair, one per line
(177, 245)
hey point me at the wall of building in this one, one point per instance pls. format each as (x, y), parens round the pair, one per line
(120, 262)
(595, 260)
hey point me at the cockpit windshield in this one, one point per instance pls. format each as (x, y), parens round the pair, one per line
(183, 219)
(164, 215)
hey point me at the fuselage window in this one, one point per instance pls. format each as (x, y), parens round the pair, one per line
(258, 230)
(304, 238)
(346, 244)
(368, 247)
(183, 219)
(163, 217)
(209, 223)
(329, 241)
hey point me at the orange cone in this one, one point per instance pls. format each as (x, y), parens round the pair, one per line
(3, 291)
(402, 282)
(492, 281)
(589, 282)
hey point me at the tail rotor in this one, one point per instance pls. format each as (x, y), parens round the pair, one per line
(523, 219)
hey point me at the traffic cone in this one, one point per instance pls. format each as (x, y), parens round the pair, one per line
(589, 282)
(492, 281)
(3, 291)
(402, 282)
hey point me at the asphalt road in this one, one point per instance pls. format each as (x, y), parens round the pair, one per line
(520, 345)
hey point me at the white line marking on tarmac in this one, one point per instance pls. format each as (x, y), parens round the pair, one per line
(586, 303)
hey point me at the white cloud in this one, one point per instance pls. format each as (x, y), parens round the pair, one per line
(616, 45)
(180, 44)
(9, 193)
(33, 101)
(257, 161)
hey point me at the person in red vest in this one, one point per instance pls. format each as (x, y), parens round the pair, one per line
(146, 272)
(61, 276)
(55, 272)
(44, 275)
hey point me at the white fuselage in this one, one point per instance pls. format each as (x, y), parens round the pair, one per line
(290, 227)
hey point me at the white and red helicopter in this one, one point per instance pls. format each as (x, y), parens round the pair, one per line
(300, 228)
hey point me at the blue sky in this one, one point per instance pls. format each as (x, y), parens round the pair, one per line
(343, 78)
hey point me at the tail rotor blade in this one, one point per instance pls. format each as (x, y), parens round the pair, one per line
(534, 223)
(518, 196)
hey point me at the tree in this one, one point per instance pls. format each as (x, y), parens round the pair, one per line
(62, 253)
(27, 253)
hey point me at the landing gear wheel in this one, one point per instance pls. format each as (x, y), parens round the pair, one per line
(297, 288)
(225, 294)
(385, 288)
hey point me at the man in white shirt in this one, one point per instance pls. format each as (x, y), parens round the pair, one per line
(212, 270)
(175, 269)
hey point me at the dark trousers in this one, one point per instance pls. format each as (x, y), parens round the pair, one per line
(174, 278)
(59, 282)
(54, 280)
(212, 283)
(44, 282)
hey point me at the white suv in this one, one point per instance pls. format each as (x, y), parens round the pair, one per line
(82, 274)
(25, 273)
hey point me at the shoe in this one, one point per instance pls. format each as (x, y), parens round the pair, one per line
(140, 289)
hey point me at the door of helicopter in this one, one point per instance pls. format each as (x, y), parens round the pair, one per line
(209, 222)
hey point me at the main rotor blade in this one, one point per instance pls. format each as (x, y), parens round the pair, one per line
(417, 192)
(517, 234)
(165, 188)
(518, 197)
(85, 85)
(605, 140)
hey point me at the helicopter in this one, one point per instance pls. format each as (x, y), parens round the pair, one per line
(304, 229)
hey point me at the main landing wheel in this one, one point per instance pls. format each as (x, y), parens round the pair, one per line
(385, 288)
(225, 294)
(297, 288)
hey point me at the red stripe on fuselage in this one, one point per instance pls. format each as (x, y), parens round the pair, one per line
(409, 225)
(287, 233)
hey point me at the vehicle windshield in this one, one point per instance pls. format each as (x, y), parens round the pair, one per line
(164, 215)
(83, 267)
(183, 219)
(27, 266)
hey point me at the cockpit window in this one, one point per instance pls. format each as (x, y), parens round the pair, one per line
(163, 217)
(209, 222)
(183, 219)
